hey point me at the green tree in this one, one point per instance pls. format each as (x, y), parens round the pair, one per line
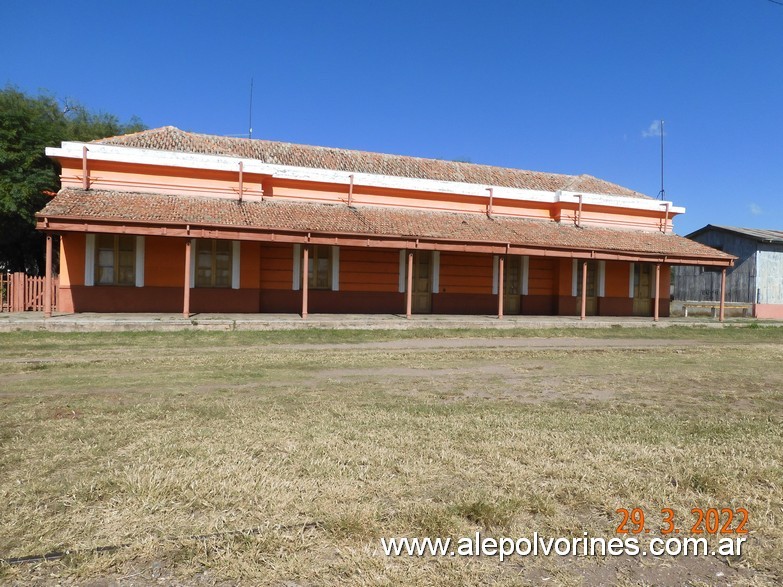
(29, 124)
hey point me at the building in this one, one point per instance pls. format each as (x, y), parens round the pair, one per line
(756, 278)
(171, 221)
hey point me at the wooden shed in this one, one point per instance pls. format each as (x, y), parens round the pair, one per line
(756, 279)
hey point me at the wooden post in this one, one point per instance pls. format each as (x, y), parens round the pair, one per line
(48, 278)
(584, 290)
(657, 291)
(501, 263)
(409, 287)
(305, 278)
(186, 300)
(722, 293)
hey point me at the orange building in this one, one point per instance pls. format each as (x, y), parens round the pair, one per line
(170, 221)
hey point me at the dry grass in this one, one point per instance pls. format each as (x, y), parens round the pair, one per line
(146, 439)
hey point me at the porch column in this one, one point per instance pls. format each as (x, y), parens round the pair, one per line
(584, 290)
(305, 278)
(722, 293)
(409, 287)
(48, 278)
(501, 263)
(186, 301)
(657, 291)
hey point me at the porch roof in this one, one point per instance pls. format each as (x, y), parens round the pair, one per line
(286, 221)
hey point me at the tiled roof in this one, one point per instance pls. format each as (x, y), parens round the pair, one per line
(169, 138)
(757, 234)
(280, 215)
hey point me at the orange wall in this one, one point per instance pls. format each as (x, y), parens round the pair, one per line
(164, 261)
(542, 276)
(464, 273)
(72, 245)
(369, 270)
(277, 266)
(564, 276)
(249, 265)
(616, 279)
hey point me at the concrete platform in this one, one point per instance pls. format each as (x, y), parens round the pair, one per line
(91, 322)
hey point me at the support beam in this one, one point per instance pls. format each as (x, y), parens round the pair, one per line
(305, 278)
(501, 263)
(722, 294)
(409, 287)
(186, 300)
(656, 312)
(48, 278)
(584, 290)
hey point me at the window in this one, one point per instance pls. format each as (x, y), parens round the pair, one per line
(592, 279)
(319, 267)
(213, 263)
(115, 259)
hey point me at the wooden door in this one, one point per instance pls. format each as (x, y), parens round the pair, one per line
(591, 305)
(643, 289)
(512, 277)
(422, 282)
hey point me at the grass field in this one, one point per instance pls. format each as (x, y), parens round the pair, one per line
(282, 458)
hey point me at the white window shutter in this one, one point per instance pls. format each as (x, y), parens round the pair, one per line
(601, 279)
(574, 278)
(139, 261)
(235, 265)
(89, 260)
(495, 265)
(192, 263)
(403, 271)
(435, 271)
(335, 268)
(630, 280)
(523, 288)
(297, 267)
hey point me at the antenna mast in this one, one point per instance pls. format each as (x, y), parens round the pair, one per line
(250, 116)
(662, 193)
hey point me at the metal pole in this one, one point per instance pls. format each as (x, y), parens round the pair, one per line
(722, 293)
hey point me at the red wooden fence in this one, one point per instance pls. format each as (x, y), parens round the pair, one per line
(23, 293)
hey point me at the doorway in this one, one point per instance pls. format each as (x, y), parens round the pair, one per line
(591, 305)
(421, 302)
(643, 289)
(512, 277)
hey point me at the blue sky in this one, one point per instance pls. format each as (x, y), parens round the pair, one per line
(562, 86)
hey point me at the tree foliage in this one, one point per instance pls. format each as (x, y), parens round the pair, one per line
(29, 124)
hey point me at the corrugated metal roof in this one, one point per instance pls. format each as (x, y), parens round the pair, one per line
(758, 234)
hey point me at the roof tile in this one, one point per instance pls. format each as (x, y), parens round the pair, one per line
(333, 219)
(169, 138)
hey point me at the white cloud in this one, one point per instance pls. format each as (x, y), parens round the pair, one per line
(755, 209)
(654, 130)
